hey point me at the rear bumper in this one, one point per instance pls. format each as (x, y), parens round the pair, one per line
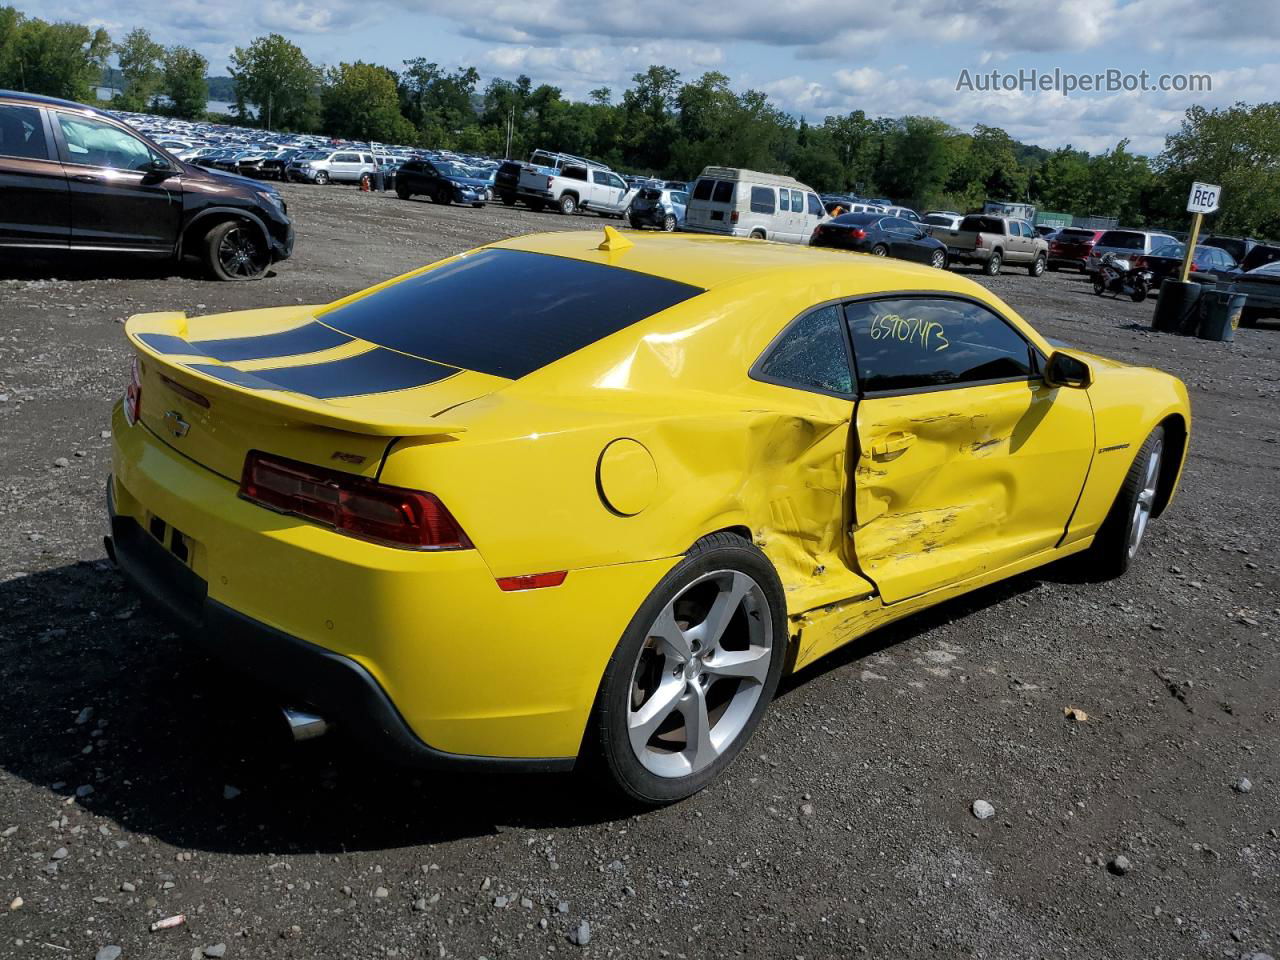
(968, 256)
(650, 216)
(301, 673)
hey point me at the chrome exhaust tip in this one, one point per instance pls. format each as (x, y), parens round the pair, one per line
(303, 725)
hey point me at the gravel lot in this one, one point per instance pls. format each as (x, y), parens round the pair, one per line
(136, 781)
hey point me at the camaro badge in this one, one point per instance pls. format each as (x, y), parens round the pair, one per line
(177, 426)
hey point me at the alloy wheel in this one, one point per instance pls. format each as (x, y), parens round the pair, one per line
(700, 674)
(239, 253)
(1145, 501)
(939, 259)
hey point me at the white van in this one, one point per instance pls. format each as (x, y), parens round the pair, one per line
(744, 203)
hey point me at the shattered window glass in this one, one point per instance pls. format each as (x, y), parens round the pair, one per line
(811, 354)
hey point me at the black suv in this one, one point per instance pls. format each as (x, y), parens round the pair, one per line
(442, 181)
(76, 179)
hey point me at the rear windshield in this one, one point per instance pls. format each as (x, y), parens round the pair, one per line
(983, 224)
(1122, 240)
(939, 220)
(1070, 233)
(506, 312)
(857, 219)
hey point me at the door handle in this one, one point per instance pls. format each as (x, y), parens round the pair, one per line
(85, 178)
(892, 445)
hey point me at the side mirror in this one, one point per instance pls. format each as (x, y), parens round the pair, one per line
(160, 169)
(1064, 370)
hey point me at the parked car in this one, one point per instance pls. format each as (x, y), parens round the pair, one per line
(883, 236)
(744, 203)
(338, 166)
(610, 478)
(1127, 243)
(78, 181)
(1262, 287)
(658, 207)
(1259, 255)
(1070, 247)
(273, 168)
(941, 221)
(1208, 264)
(1238, 247)
(442, 181)
(991, 241)
(576, 185)
(903, 213)
(1047, 230)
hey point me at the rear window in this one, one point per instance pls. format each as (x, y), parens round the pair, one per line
(506, 312)
(983, 224)
(1122, 240)
(938, 220)
(856, 219)
(702, 189)
(723, 192)
(1069, 233)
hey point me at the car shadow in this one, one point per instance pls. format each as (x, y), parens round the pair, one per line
(196, 756)
(100, 694)
(104, 267)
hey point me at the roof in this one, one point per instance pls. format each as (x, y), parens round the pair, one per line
(48, 101)
(708, 262)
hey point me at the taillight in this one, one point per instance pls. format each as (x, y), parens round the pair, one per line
(733, 217)
(977, 240)
(352, 505)
(133, 392)
(1194, 268)
(549, 181)
(1141, 263)
(858, 233)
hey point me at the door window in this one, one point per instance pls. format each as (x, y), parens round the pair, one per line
(22, 133)
(809, 355)
(762, 200)
(617, 182)
(815, 206)
(784, 201)
(346, 158)
(680, 199)
(932, 343)
(601, 178)
(797, 201)
(97, 144)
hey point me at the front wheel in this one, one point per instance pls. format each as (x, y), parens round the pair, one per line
(693, 674)
(402, 192)
(1117, 543)
(507, 199)
(1037, 267)
(992, 267)
(322, 178)
(235, 251)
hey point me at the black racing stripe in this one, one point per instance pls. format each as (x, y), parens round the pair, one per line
(308, 338)
(164, 343)
(377, 371)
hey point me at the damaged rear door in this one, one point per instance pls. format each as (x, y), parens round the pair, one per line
(966, 461)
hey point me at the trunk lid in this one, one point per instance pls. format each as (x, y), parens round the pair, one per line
(292, 387)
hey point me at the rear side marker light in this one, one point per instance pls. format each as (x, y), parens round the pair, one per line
(532, 581)
(356, 506)
(133, 392)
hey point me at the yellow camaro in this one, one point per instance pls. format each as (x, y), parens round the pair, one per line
(558, 498)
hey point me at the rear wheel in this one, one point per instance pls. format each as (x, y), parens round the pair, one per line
(1140, 291)
(537, 206)
(235, 251)
(568, 204)
(757, 235)
(939, 259)
(880, 250)
(693, 674)
(507, 200)
(1099, 285)
(669, 223)
(633, 222)
(992, 267)
(1117, 543)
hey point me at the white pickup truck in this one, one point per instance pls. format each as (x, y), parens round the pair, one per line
(574, 184)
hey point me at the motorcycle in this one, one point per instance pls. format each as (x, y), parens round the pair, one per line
(1117, 275)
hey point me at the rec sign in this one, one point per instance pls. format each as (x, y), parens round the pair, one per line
(1203, 198)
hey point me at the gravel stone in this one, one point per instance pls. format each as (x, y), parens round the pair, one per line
(983, 810)
(110, 952)
(1119, 865)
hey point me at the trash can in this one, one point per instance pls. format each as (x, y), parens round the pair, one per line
(1176, 308)
(1220, 311)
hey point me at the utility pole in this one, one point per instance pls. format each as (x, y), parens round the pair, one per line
(511, 124)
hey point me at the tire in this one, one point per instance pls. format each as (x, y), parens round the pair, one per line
(879, 250)
(633, 223)
(992, 267)
(442, 196)
(1099, 285)
(1053, 268)
(568, 204)
(1037, 267)
(938, 259)
(757, 235)
(676, 678)
(507, 200)
(478, 206)
(1248, 317)
(537, 206)
(322, 177)
(1140, 292)
(1117, 543)
(403, 192)
(669, 223)
(234, 250)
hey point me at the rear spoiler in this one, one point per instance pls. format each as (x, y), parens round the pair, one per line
(370, 419)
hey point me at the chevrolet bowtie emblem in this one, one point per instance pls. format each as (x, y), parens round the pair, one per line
(177, 426)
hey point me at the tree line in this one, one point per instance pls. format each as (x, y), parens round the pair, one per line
(669, 126)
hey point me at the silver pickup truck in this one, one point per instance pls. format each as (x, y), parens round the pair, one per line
(994, 241)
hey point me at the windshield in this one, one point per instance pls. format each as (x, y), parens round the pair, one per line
(447, 169)
(1122, 240)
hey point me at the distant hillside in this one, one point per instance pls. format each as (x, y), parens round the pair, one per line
(220, 88)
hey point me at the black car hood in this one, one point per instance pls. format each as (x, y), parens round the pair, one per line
(468, 181)
(237, 179)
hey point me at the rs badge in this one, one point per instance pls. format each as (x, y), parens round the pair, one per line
(177, 426)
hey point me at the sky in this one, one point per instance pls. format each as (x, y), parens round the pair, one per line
(813, 57)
